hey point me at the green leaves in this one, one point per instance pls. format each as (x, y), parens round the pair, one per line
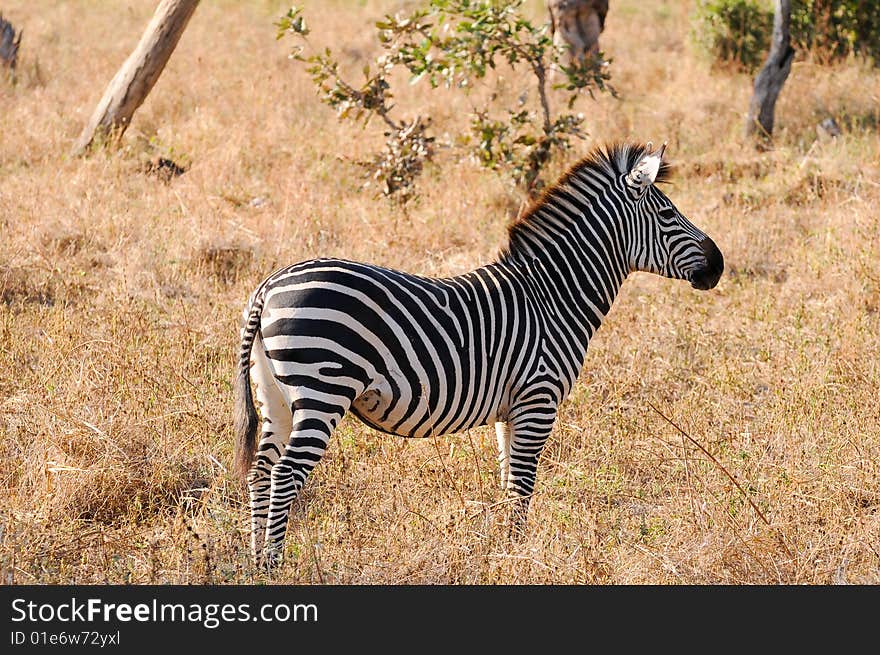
(456, 43)
(292, 22)
(835, 28)
(734, 31)
(396, 169)
(739, 31)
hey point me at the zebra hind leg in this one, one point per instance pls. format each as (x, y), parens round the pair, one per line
(277, 422)
(313, 423)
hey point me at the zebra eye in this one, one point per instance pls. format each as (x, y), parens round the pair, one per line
(668, 213)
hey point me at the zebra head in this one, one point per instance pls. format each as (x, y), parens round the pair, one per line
(662, 240)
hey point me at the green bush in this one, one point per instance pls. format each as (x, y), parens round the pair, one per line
(734, 31)
(836, 28)
(738, 32)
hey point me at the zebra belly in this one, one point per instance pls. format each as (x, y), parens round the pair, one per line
(376, 407)
(380, 406)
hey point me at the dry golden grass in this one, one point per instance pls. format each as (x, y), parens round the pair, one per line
(120, 295)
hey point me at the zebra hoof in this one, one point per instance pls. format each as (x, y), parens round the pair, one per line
(267, 561)
(516, 533)
(271, 560)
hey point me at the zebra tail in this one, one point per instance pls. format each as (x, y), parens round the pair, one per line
(244, 414)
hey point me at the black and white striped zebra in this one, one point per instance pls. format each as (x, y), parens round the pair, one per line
(417, 356)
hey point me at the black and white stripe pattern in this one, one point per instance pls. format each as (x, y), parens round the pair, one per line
(416, 356)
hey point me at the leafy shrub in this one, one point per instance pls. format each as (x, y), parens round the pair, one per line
(454, 43)
(734, 31)
(836, 28)
(739, 31)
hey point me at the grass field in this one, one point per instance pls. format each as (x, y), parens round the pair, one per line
(120, 297)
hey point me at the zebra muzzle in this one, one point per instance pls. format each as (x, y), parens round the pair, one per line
(707, 277)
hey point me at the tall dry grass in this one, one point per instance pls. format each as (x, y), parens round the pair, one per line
(120, 294)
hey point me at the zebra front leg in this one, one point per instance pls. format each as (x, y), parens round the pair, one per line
(502, 431)
(529, 430)
(307, 444)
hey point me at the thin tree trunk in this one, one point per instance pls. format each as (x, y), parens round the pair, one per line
(134, 80)
(8, 44)
(769, 81)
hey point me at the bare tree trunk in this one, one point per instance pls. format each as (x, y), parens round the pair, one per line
(8, 44)
(769, 81)
(131, 84)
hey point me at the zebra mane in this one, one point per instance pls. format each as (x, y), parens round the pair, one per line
(607, 161)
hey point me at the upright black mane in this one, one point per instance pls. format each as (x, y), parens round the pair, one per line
(609, 160)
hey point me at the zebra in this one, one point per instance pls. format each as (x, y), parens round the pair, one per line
(420, 357)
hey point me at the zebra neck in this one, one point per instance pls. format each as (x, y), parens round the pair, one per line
(574, 268)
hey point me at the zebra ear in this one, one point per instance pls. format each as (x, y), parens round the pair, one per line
(645, 171)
